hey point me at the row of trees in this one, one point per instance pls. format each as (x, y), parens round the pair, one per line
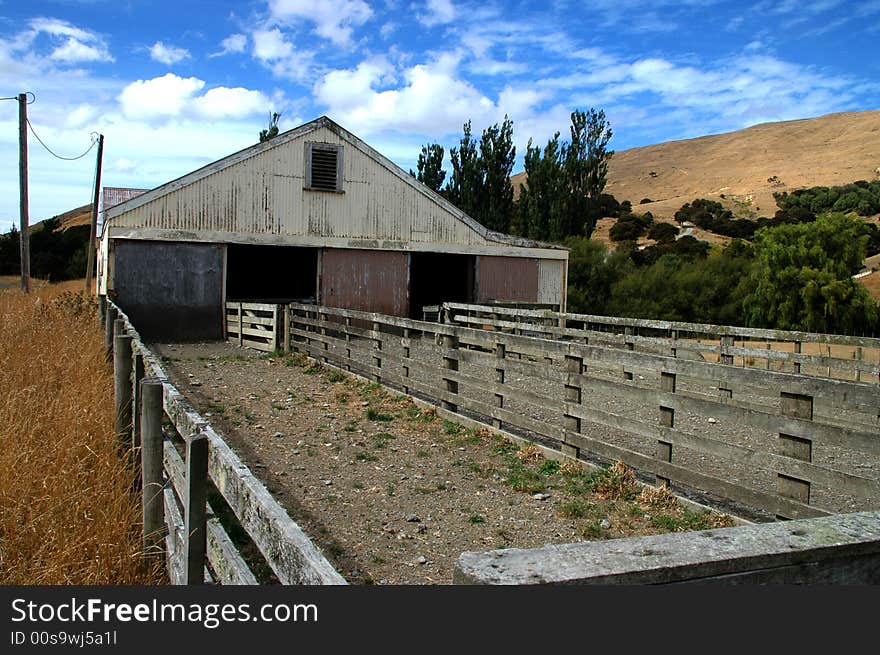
(56, 254)
(566, 179)
(792, 276)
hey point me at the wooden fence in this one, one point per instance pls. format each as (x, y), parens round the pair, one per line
(786, 444)
(255, 325)
(176, 465)
(826, 355)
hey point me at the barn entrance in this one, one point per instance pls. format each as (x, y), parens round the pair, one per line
(271, 274)
(436, 278)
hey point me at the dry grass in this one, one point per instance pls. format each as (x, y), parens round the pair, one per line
(66, 512)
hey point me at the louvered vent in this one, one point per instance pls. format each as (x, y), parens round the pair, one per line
(324, 168)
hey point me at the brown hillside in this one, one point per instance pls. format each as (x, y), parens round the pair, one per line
(72, 218)
(829, 150)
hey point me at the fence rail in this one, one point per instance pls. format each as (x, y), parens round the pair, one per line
(787, 444)
(826, 355)
(176, 466)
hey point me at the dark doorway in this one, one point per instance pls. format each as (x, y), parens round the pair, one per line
(436, 278)
(272, 274)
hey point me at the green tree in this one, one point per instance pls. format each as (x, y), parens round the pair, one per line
(593, 271)
(803, 278)
(464, 187)
(480, 184)
(541, 200)
(497, 155)
(586, 169)
(430, 167)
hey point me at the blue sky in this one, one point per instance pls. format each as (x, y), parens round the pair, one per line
(173, 86)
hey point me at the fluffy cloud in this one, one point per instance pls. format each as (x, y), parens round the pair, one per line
(70, 44)
(439, 12)
(167, 54)
(171, 96)
(433, 98)
(271, 45)
(333, 19)
(232, 44)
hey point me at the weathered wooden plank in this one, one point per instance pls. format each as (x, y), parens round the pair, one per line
(228, 565)
(682, 327)
(225, 559)
(287, 549)
(174, 539)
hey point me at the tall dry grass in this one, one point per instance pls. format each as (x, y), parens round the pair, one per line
(67, 515)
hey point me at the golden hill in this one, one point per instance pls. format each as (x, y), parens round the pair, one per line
(743, 169)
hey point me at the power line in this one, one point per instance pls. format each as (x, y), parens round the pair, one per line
(49, 150)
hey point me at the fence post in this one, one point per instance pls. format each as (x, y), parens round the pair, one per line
(195, 532)
(797, 350)
(152, 484)
(500, 353)
(667, 420)
(122, 365)
(276, 326)
(798, 406)
(377, 351)
(136, 376)
(628, 332)
(726, 342)
(858, 357)
(450, 363)
(109, 321)
(102, 310)
(348, 343)
(574, 366)
(240, 325)
(406, 353)
(286, 328)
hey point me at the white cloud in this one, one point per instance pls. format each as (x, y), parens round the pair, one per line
(433, 99)
(439, 12)
(74, 51)
(274, 51)
(271, 45)
(71, 44)
(334, 19)
(171, 96)
(223, 102)
(160, 97)
(167, 54)
(232, 44)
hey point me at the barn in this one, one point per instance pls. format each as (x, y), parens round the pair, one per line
(316, 215)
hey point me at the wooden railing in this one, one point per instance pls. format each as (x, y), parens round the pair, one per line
(176, 466)
(255, 325)
(825, 355)
(786, 444)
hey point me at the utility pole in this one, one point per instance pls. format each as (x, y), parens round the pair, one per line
(24, 236)
(90, 266)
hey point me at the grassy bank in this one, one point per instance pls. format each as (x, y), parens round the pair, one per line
(66, 513)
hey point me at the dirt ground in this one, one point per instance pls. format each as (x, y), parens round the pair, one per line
(392, 493)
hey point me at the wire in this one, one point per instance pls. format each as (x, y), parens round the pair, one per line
(49, 150)
(26, 93)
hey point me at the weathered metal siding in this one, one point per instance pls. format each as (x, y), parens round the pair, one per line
(507, 278)
(551, 281)
(366, 280)
(170, 291)
(263, 194)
